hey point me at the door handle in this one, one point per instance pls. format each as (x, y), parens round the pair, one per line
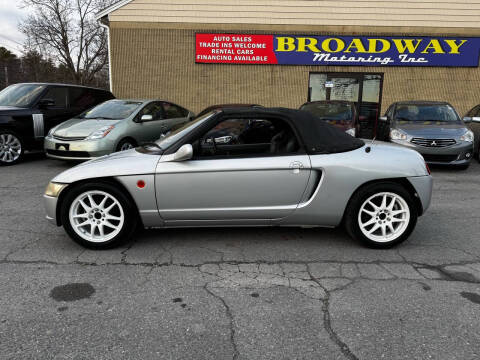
(296, 166)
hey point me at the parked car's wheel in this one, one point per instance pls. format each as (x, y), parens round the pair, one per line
(98, 215)
(381, 215)
(11, 148)
(476, 151)
(126, 144)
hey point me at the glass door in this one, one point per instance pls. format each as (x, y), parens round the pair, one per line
(363, 89)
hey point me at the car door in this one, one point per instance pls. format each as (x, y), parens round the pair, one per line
(59, 111)
(150, 130)
(175, 116)
(240, 181)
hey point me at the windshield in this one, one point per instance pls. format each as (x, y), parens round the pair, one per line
(334, 112)
(112, 110)
(21, 95)
(426, 113)
(171, 138)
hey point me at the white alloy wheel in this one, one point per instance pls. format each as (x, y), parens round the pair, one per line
(126, 146)
(10, 148)
(96, 216)
(384, 217)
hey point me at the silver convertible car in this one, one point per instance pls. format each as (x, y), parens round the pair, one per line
(245, 167)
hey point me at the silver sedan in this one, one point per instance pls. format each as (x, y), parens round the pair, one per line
(114, 125)
(241, 167)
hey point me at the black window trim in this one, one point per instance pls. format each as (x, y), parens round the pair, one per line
(138, 117)
(222, 117)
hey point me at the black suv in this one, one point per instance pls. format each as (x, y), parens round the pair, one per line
(28, 111)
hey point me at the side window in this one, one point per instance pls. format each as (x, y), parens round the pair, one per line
(173, 111)
(155, 109)
(247, 137)
(59, 95)
(476, 112)
(389, 113)
(81, 99)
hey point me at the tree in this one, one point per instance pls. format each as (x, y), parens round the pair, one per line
(36, 68)
(67, 31)
(9, 67)
(6, 55)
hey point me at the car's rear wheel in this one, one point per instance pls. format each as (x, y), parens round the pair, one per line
(11, 148)
(381, 215)
(98, 215)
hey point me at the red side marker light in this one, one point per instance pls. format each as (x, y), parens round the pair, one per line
(428, 169)
(141, 184)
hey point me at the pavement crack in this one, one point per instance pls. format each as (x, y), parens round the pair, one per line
(229, 314)
(124, 253)
(221, 253)
(327, 321)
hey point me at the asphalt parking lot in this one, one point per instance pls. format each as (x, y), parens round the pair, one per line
(255, 293)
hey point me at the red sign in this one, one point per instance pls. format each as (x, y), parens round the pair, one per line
(234, 49)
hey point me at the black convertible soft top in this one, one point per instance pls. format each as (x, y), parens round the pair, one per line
(317, 136)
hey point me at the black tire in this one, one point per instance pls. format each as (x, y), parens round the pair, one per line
(130, 214)
(126, 141)
(361, 196)
(6, 161)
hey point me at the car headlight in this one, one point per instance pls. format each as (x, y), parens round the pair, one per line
(54, 189)
(396, 134)
(100, 133)
(468, 136)
(51, 131)
(351, 131)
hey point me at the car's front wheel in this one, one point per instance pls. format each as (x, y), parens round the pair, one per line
(98, 215)
(381, 215)
(11, 148)
(126, 144)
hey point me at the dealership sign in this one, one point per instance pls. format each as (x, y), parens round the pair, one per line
(336, 50)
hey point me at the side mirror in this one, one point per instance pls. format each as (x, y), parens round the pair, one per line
(476, 119)
(146, 118)
(467, 119)
(45, 103)
(383, 118)
(184, 153)
(190, 116)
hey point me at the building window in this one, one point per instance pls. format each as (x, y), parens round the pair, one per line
(363, 89)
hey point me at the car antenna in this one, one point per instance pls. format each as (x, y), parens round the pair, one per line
(369, 147)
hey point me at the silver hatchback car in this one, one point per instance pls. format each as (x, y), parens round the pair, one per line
(114, 125)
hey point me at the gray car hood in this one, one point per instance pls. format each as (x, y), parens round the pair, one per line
(81, 127)
(127, 162)
(432, 129)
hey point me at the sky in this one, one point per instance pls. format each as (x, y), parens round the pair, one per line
(10, 15)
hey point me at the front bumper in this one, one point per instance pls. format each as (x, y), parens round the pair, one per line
(423, 186)
(50, 204)
(77, 150)
(459, 154)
